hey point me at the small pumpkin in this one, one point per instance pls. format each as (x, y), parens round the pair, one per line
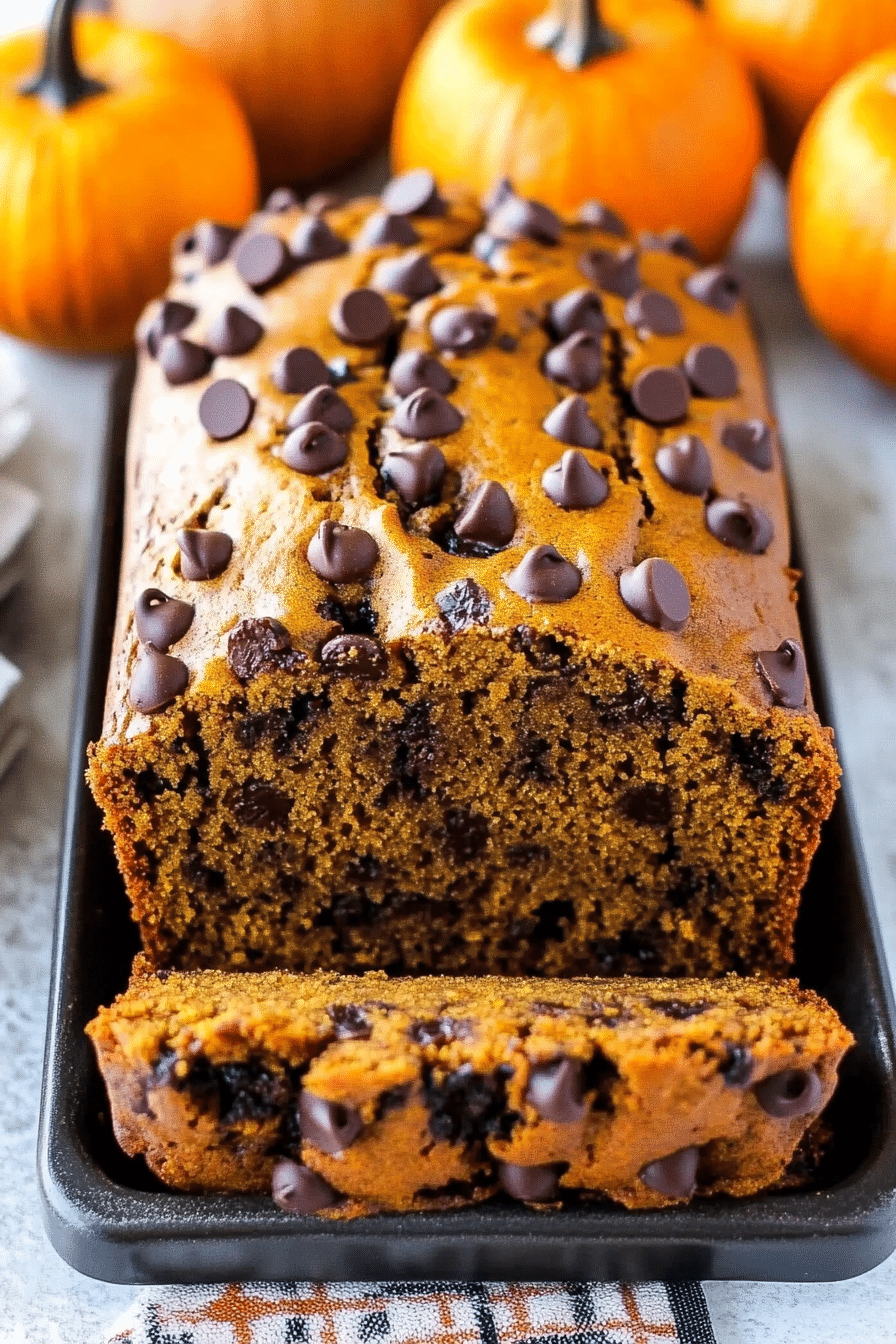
(104, 157)
(317, 78)
(634, 103)
(797, 51)
(843, 214)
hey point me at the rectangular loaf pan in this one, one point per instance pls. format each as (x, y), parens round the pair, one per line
(108, 1218)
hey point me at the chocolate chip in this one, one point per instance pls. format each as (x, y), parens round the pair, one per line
(518, 218)
(579, 310)
(464, 603)
(314, 240)
(413, 193)
(740, 524)
(439, 1031)
(653, 313)
(675, 1175)
(171, 318)
(299, 370)
(573, 483)
(467, 1105)
(414, 369)
(751, 440)
(487, 248)
(556, 1092)
(412, 276)
(425, 414)
(225, 409)
(460, 328)
(617, 272)
(599, 216)
(531, 1184)
(212, 241)
(319, 202)
(381, 229)
(261, 259)
(233, 332)
(350, 1022)
(340, 371)
(324, 405)
(280, 200)
(716, 287)
(362, 316)
(674, 1008)
(685, 465)
(544, 576)
(673, 241)
(297, 1189)
(342, 554)
(660, 395)
(161, 620)
(314, 449)
(203, 554)
(354, 656)
(501, 190)
(183, 361)
(737, 1068)
(259, 644)
(330, 1127)
(784, 671)
(789, 1093)
(655, 592)
(415, 472)
(258, 804)
(569, 422)
(488, 518)
(157, 680)
(711, 371)
(577, 361)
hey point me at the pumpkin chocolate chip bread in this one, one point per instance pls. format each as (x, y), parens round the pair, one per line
(456, 630)
(354, 1094)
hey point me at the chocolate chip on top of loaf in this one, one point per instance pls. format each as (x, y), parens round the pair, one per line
(347, 1095)
(494, 664)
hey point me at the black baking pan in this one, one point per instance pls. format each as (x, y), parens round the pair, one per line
(106, 1215)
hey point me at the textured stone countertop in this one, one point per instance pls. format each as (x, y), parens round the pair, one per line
(840, 433)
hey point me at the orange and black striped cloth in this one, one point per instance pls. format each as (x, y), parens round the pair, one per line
(431, 1313)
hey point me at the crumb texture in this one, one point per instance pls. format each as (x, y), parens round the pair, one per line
(377, 1093)
(439, 706)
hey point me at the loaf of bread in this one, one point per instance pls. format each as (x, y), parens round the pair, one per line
(358, 1094)
(456, 630)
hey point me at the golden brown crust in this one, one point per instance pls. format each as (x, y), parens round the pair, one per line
(556, 786)
(740, 604)
(204, 1072)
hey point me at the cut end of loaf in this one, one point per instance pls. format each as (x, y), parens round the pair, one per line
(521, 805)
(435, 1092)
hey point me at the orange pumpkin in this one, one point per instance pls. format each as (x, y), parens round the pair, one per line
(797, 49)
(103, 160)
(317, 78)
(636, 105)
(843, 214)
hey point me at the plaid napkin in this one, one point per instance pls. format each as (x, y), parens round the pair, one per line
(431, 1313)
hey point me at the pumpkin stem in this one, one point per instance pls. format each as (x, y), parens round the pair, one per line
(60, 83)
(574, 31)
